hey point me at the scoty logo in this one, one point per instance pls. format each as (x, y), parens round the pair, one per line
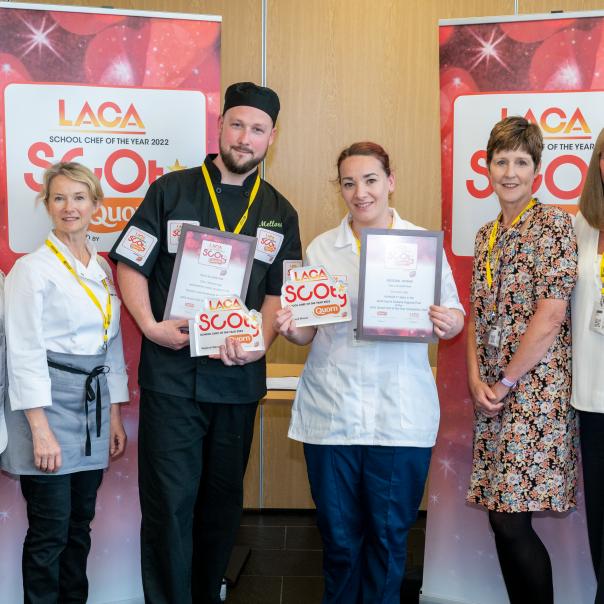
(113, 214)
(107, 117)
(558, 124)
(137, 241)
(268, 243)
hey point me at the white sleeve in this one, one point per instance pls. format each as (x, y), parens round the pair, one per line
(448, 289)
(28, 379)
(117, 378)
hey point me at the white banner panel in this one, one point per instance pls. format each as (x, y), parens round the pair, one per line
(570, 121)
(129, 136)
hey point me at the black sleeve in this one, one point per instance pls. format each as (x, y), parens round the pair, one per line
(291, 249)
(141, 240)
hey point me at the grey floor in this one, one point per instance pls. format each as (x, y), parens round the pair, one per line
(286, 555)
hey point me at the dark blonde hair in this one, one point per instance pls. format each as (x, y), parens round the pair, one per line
(591, 203)
(74, 171)
(365, 148)
(513, 133)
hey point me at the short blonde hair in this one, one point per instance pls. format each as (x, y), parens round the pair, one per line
(591, 203)
(513, 133)
(74, 171)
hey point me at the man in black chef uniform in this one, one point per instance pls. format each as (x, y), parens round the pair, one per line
(197, 414)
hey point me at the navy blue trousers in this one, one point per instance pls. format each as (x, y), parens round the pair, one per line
(367, 499)
(59, 511)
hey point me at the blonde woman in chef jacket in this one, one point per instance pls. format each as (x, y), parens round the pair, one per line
(587, 307)
(66, 373)
(367, 412)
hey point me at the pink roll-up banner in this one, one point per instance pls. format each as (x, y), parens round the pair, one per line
(549, 68)
(132, 95)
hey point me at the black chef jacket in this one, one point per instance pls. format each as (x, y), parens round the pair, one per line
(145, 245)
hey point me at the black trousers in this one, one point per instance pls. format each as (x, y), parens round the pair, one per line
(59, 511)
(591, 426)
(192, 459)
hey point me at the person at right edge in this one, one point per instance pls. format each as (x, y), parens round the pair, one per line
(519, 362)
(588, 353)
(197, 414)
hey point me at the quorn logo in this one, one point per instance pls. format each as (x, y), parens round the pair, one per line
(328, 309)
(113, 214)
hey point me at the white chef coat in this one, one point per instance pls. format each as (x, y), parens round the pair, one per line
(588, 346)
(3, 384)
(367, 392)
(47, 309)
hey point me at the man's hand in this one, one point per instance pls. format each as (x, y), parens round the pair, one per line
(168, 333)
(232, 353)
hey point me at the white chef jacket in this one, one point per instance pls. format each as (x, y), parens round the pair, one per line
(588, 346)
(365, 392)
(47, 309)
(3, 384)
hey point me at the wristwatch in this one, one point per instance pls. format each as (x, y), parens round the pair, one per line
(507, 383)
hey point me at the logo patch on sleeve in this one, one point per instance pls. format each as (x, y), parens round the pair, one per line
(268, 244)
(136, 245)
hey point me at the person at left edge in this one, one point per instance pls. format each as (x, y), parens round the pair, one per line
(197, 414)
(66, 373)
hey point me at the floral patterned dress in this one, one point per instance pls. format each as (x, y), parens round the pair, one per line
(525, 457)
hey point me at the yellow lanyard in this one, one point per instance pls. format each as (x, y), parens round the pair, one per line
(216, 205)
(358, 241)
(602, 275)
(493, 239)
(107, 312)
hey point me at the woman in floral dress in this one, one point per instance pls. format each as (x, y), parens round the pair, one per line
(519, 362)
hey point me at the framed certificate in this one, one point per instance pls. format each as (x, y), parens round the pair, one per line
(209, 264)
(399, 280)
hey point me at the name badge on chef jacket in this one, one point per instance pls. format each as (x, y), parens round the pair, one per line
(174, 231)
(268, 244)
(597, 317)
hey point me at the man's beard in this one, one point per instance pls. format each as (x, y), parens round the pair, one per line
(228, 159)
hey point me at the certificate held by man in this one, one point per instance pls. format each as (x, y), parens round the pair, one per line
(399, 281)
(209, 264)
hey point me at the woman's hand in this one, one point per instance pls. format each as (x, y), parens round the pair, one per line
(285, 325)
(448, 322)
(117, 434)
(486, 399)
(47, 451)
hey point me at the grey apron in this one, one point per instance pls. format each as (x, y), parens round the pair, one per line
(78, 417)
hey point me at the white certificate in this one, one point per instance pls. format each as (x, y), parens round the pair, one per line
(209, 264)
(399, 281)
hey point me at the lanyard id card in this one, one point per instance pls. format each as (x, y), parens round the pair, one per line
(494, 335)
(597, 317)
